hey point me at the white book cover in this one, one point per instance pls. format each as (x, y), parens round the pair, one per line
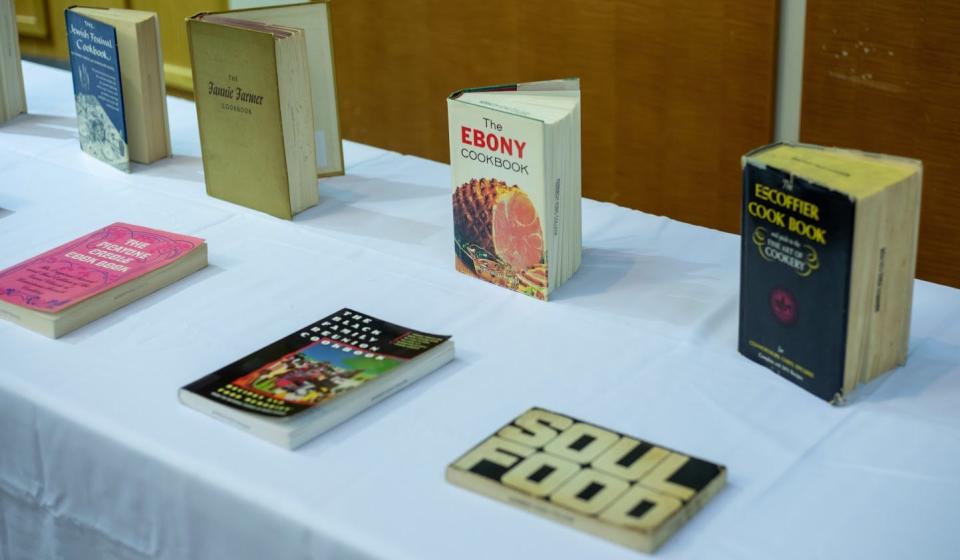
(508, 174)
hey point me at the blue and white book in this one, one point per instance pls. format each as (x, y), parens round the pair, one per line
(118, 84)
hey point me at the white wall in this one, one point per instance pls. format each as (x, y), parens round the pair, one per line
(793, 14)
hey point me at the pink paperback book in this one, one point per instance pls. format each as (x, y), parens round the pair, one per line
(80, 270)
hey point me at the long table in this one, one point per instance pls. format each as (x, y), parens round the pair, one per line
(98, 459)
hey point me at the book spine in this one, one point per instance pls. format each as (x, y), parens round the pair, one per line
(885, 257)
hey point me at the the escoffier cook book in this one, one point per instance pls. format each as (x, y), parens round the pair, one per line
(829, 240)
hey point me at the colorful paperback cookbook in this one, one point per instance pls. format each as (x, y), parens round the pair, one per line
(515, 166)
(79, 281)
(317, 376)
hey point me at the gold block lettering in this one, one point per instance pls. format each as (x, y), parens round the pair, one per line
(589, 492)
(540, 474)
(493, 450)
(642, 509)
(637, 461)
(536, 427)
(658, 477)
(581, 443)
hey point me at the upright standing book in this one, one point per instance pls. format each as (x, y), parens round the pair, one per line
(515, 162)
(12, 99)
(118, 82)
(828, 254)
(317, 377)
(612, 485)
(84, 279)
(266, 105)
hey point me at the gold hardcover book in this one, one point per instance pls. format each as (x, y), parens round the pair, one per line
(254, 109)
(617, 487)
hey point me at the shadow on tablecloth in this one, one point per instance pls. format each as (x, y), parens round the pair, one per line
(85, 332)
(176, 167)
(338, 211)
(45, 126)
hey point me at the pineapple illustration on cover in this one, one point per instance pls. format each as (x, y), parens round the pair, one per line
(515, 159)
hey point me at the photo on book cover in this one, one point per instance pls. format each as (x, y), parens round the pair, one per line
(316, 373)
(315, 365)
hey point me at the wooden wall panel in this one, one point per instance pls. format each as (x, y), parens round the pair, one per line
(53, 44)
(173, 37)
(32, 18)
(673, 92)
(37, 15)
(885, 77)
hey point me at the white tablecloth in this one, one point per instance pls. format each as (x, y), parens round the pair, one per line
(99, 460)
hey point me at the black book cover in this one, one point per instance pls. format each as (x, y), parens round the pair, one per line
(315, 364)
(796, 248)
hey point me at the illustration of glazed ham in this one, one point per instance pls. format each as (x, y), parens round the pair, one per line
(500, 219)
(516, 230)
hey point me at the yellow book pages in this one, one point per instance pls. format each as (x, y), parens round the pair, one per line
(855, 173)
(238, 109)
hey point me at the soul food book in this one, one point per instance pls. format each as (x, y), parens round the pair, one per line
(828, 255)
(621, 488)
(118, 83)
(266, 104)
(316, 377)
(515, 165)
(12, 99)
(84, 279)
